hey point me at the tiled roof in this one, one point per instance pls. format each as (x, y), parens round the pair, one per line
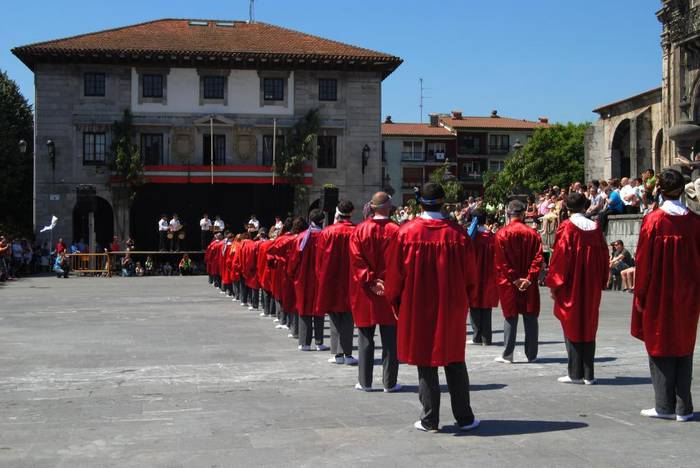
(492, 122)
(645, 94)
(170, 38)
(414, 129)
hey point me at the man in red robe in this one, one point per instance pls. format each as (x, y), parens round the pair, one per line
(215, 259)
(666, 306)
(263, 274)
(302, 267)
(226, 281)
(282, 285)
(368, 246)
(249, 255)
(333, 290)
(578, 272)
(518, 264)
(486, 293)
(430, 277)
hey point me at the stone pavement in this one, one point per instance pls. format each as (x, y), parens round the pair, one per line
(165, 372)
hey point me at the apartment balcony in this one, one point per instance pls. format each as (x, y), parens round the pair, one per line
(499, 149)
(471, 177)
(469, 150)
(412, 157)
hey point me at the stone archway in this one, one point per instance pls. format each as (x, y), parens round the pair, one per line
(658, 148)
(620, 151)
(103, 222)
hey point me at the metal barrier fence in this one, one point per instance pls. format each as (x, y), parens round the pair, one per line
(105, 264)
(90, 263)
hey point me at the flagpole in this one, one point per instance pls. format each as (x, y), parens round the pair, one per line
(211, 146)
(274, 149)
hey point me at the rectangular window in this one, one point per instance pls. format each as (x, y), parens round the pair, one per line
(327, 155)
(499, 144)
(267, 149)
(273, 89)
(496, 166)
(94, 148)
(469, 144)
(327, 90)
(219, 150)
(152, 149)
(214, 87)
(436, 151)
(94, 84)
(153, 86)
(412, 151)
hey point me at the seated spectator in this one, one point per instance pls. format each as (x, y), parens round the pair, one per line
(167, 269)
(82, 246)
(130, 243)
(149, 266)
(114, 246)
(74, 249)
(620, 259)
(628, 279)
(185, 265)
(597, 202)
(61, 266)
(128, 265)
(614, 205)
(140, 270)
(628, 194)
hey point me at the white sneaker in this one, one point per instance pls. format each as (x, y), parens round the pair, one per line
(304, 348)
(651, 413)
(393, 389)
(360, 387)
(262, 314)
(336, 360)
(322, 347)
(590, 382)
(234, 300)
(276, 320)
(567, 379)
(350, 361)
(290, 336)
(279, 327)
(686, 418)
(286, 327)
(419, 425)
(250, 307)
(244, 304)
(504, 359)
(471, 426)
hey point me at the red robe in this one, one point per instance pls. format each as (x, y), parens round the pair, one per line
(518, 255)
(333, 268)
(282, 284)
(207, 257)
(235, 275)
(249, 256)
(301, 266)
(226, 248)
(430, 277)
(263, 272)
(215, 257)
(578, 272)
(486, 291)
(666, 304)
(368, 246)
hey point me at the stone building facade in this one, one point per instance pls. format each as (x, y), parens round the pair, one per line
(181, 79)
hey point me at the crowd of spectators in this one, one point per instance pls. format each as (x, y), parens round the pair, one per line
(19, 257)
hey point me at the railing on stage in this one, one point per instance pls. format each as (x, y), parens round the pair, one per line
(90, 263)
(106, 263)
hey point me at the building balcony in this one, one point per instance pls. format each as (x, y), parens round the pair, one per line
(468, 150)
(499, 150)
(412, 157)
(471, 177)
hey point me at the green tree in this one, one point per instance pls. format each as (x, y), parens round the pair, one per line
(16, 123)
(453, 189)
(300, 142)
(553, 156)
(126, 164)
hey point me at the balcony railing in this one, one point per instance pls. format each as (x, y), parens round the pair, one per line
(413, 156)
(498, 149)
(469, 150)
(471, 177)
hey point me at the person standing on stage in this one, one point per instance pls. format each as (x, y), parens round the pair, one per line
(666, 306)
(430, 278)
(333, 291)
(578, 272)
(301, 267)
(163, 228)
(368, 245)
(518, 265)
(175, 227)
(219, 224)
(205, 228)
(486, 293)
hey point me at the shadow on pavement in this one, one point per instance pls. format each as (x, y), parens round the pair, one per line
(563, 360)
(506, 427)
(443, 388)
(624, 381)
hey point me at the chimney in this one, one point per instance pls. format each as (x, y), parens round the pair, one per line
(388, 120)
(494, 114)
(434, 120)
(544, 120)
(457, 114)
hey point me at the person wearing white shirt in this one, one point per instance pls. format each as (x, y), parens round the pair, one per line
(163, 228)
(175, 227)
(254, 221)
(219, 224)
(628, 193)
(205, 226)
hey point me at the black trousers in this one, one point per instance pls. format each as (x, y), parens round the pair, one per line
(281, 314)
(217, 281)
(603, 219)
(265, 296)
(254, 298)
(175, 243)
(429, 394)
(236, 288)
(581, 356)
(205, 239)
(481, 325)
(211, 279)
(390, 361)
(162, 236)
(245, 293)
(671, 378)
(293, 323)
(310, 326)
(342, 331)
(510, 330)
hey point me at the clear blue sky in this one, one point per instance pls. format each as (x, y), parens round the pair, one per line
(526, 58)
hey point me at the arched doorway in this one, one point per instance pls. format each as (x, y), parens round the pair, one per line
(620, 151)
(658, 147)
(104, 222)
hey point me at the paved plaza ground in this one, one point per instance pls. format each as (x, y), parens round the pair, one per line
(165, 372)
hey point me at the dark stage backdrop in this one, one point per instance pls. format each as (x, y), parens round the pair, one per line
(234, 202)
